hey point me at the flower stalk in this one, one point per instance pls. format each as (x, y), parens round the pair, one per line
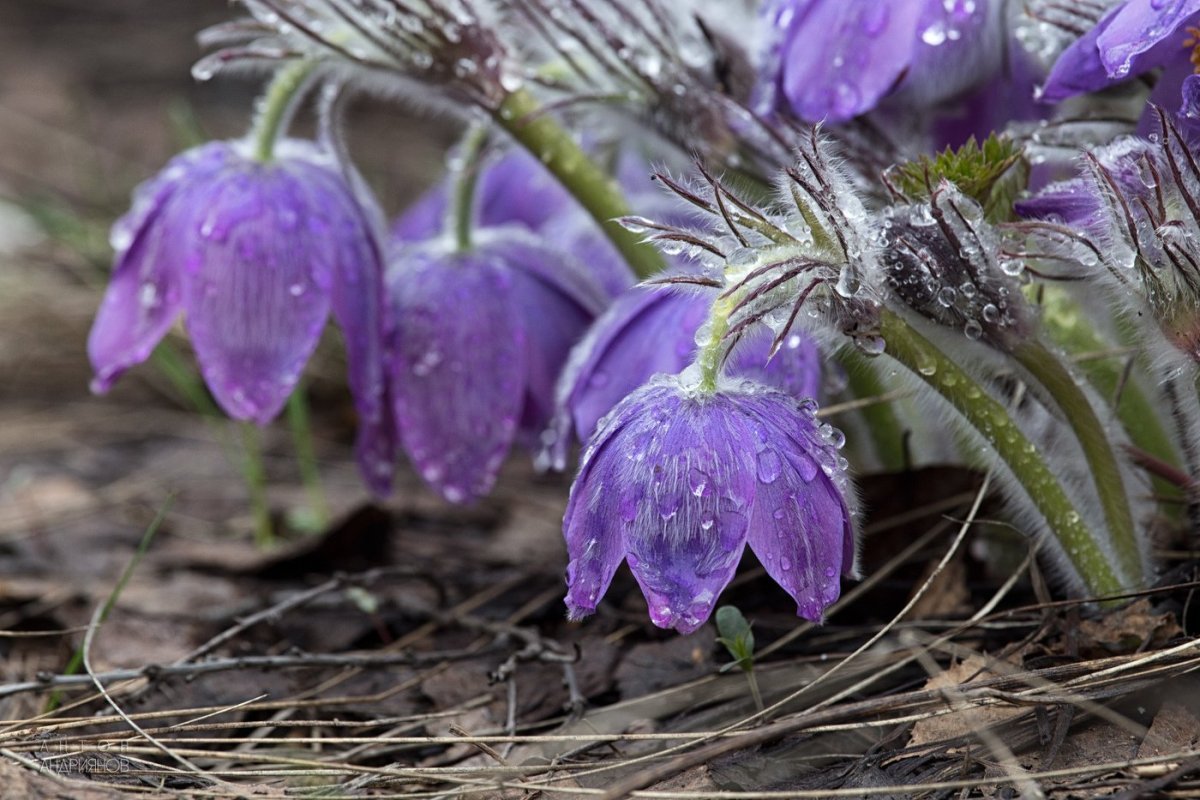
(523, 117)
(467, 162)
(993, 422)
(276, 105)
(1097, 450)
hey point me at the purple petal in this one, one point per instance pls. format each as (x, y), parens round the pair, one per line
(1129, 42)
(358, 306)
(1079, 68)
(144, 295)
(459, 366)
(800, 528)
(841, 58)
(259, 259)
(1132, 38)
(595, 545)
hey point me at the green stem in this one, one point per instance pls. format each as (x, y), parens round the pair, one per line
(521, 115)
(256, 481)
(990, 419)
(1097, 451)
(711, 353)
(306, 454)
(275, 105)
(885, 427)
(469, 156)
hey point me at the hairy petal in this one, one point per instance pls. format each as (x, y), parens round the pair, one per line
(258, 273)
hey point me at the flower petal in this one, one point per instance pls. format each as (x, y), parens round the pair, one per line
(258, 272)
(801, 528)
(1130, 41)
(594, 534)
(841, 57)
(358, 300)
(458, 366)
(144, 295)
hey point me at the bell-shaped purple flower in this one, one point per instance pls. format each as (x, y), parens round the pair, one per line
(650, 330)
(832, 60)
(256, 256)
(477, 340)
(677, 481)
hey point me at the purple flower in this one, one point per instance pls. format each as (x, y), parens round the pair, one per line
(1132, 38)
(676, 482)
(516, 189)
(477, 341)
(257, 255)
(648, 331)
(833, 60)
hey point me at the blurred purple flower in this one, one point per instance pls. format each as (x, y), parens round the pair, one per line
(651, 330)
(832, 60)
(477, 340)
(676, 482)
(257, 256)
(516, 189)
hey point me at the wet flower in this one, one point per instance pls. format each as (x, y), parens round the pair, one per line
(477, 340)
(833, 60)
(256, 256)
(650, 330)
(677, 482)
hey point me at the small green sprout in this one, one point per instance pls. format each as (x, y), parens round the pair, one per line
(738, 638)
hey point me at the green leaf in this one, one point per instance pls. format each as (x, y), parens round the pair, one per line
(734, 632)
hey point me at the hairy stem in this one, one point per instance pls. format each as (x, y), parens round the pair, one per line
(276, 105)
(468, 160)
(1097, 451)
(711, 354)
(992, 421)
(521, 115)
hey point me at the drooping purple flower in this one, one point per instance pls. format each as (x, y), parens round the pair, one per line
(256, 256)
(832, 60)
(516, 189)
(648, 331)
(677, 481)
(477, 339)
